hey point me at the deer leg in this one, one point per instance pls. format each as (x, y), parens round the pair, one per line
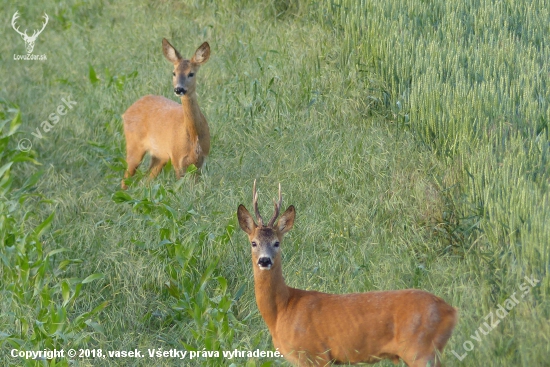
(180, 171)
(133, 159)
(425, 361)
(200, 166)
(156, 166)
(180, 167)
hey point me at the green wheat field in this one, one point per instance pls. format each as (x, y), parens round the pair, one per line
(412, 136)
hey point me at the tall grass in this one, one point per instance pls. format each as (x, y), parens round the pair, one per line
(469, 79)
(380, 121)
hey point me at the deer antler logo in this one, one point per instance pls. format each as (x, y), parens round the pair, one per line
(29, 40)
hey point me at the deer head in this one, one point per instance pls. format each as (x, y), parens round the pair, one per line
(185, 70)
(265, 240)
(29, 40)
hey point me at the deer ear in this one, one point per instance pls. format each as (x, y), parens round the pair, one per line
(202, 54)
(246, 222)
(286, 221)
(170, 52)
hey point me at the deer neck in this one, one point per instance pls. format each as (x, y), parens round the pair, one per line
(272, 294)
(191, 112)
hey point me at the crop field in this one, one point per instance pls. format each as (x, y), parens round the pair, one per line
(411, 136)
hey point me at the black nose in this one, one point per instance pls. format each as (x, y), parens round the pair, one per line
(180, 91)
(264, 262)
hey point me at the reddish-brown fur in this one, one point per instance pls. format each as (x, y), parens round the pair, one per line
(316, 329)
(166, 129)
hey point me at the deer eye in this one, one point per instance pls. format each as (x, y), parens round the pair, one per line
(254, 244)
(173, 73)
(276, 244)
(191, 75)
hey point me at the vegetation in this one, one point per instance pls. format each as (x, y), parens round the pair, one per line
(411, 136)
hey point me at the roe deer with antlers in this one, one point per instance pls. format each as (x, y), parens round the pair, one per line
(316, 329)
(166, 129)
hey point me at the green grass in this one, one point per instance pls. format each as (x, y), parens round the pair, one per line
(412, 137)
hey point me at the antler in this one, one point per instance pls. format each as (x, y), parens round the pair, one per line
(255, 204)
(24, 34)
(34, 35)
(277, 208)
(15, 16)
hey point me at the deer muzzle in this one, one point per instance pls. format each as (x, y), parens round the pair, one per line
(180, 91)
(265, 263)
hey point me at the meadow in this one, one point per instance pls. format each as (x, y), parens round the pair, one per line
(411, 136)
